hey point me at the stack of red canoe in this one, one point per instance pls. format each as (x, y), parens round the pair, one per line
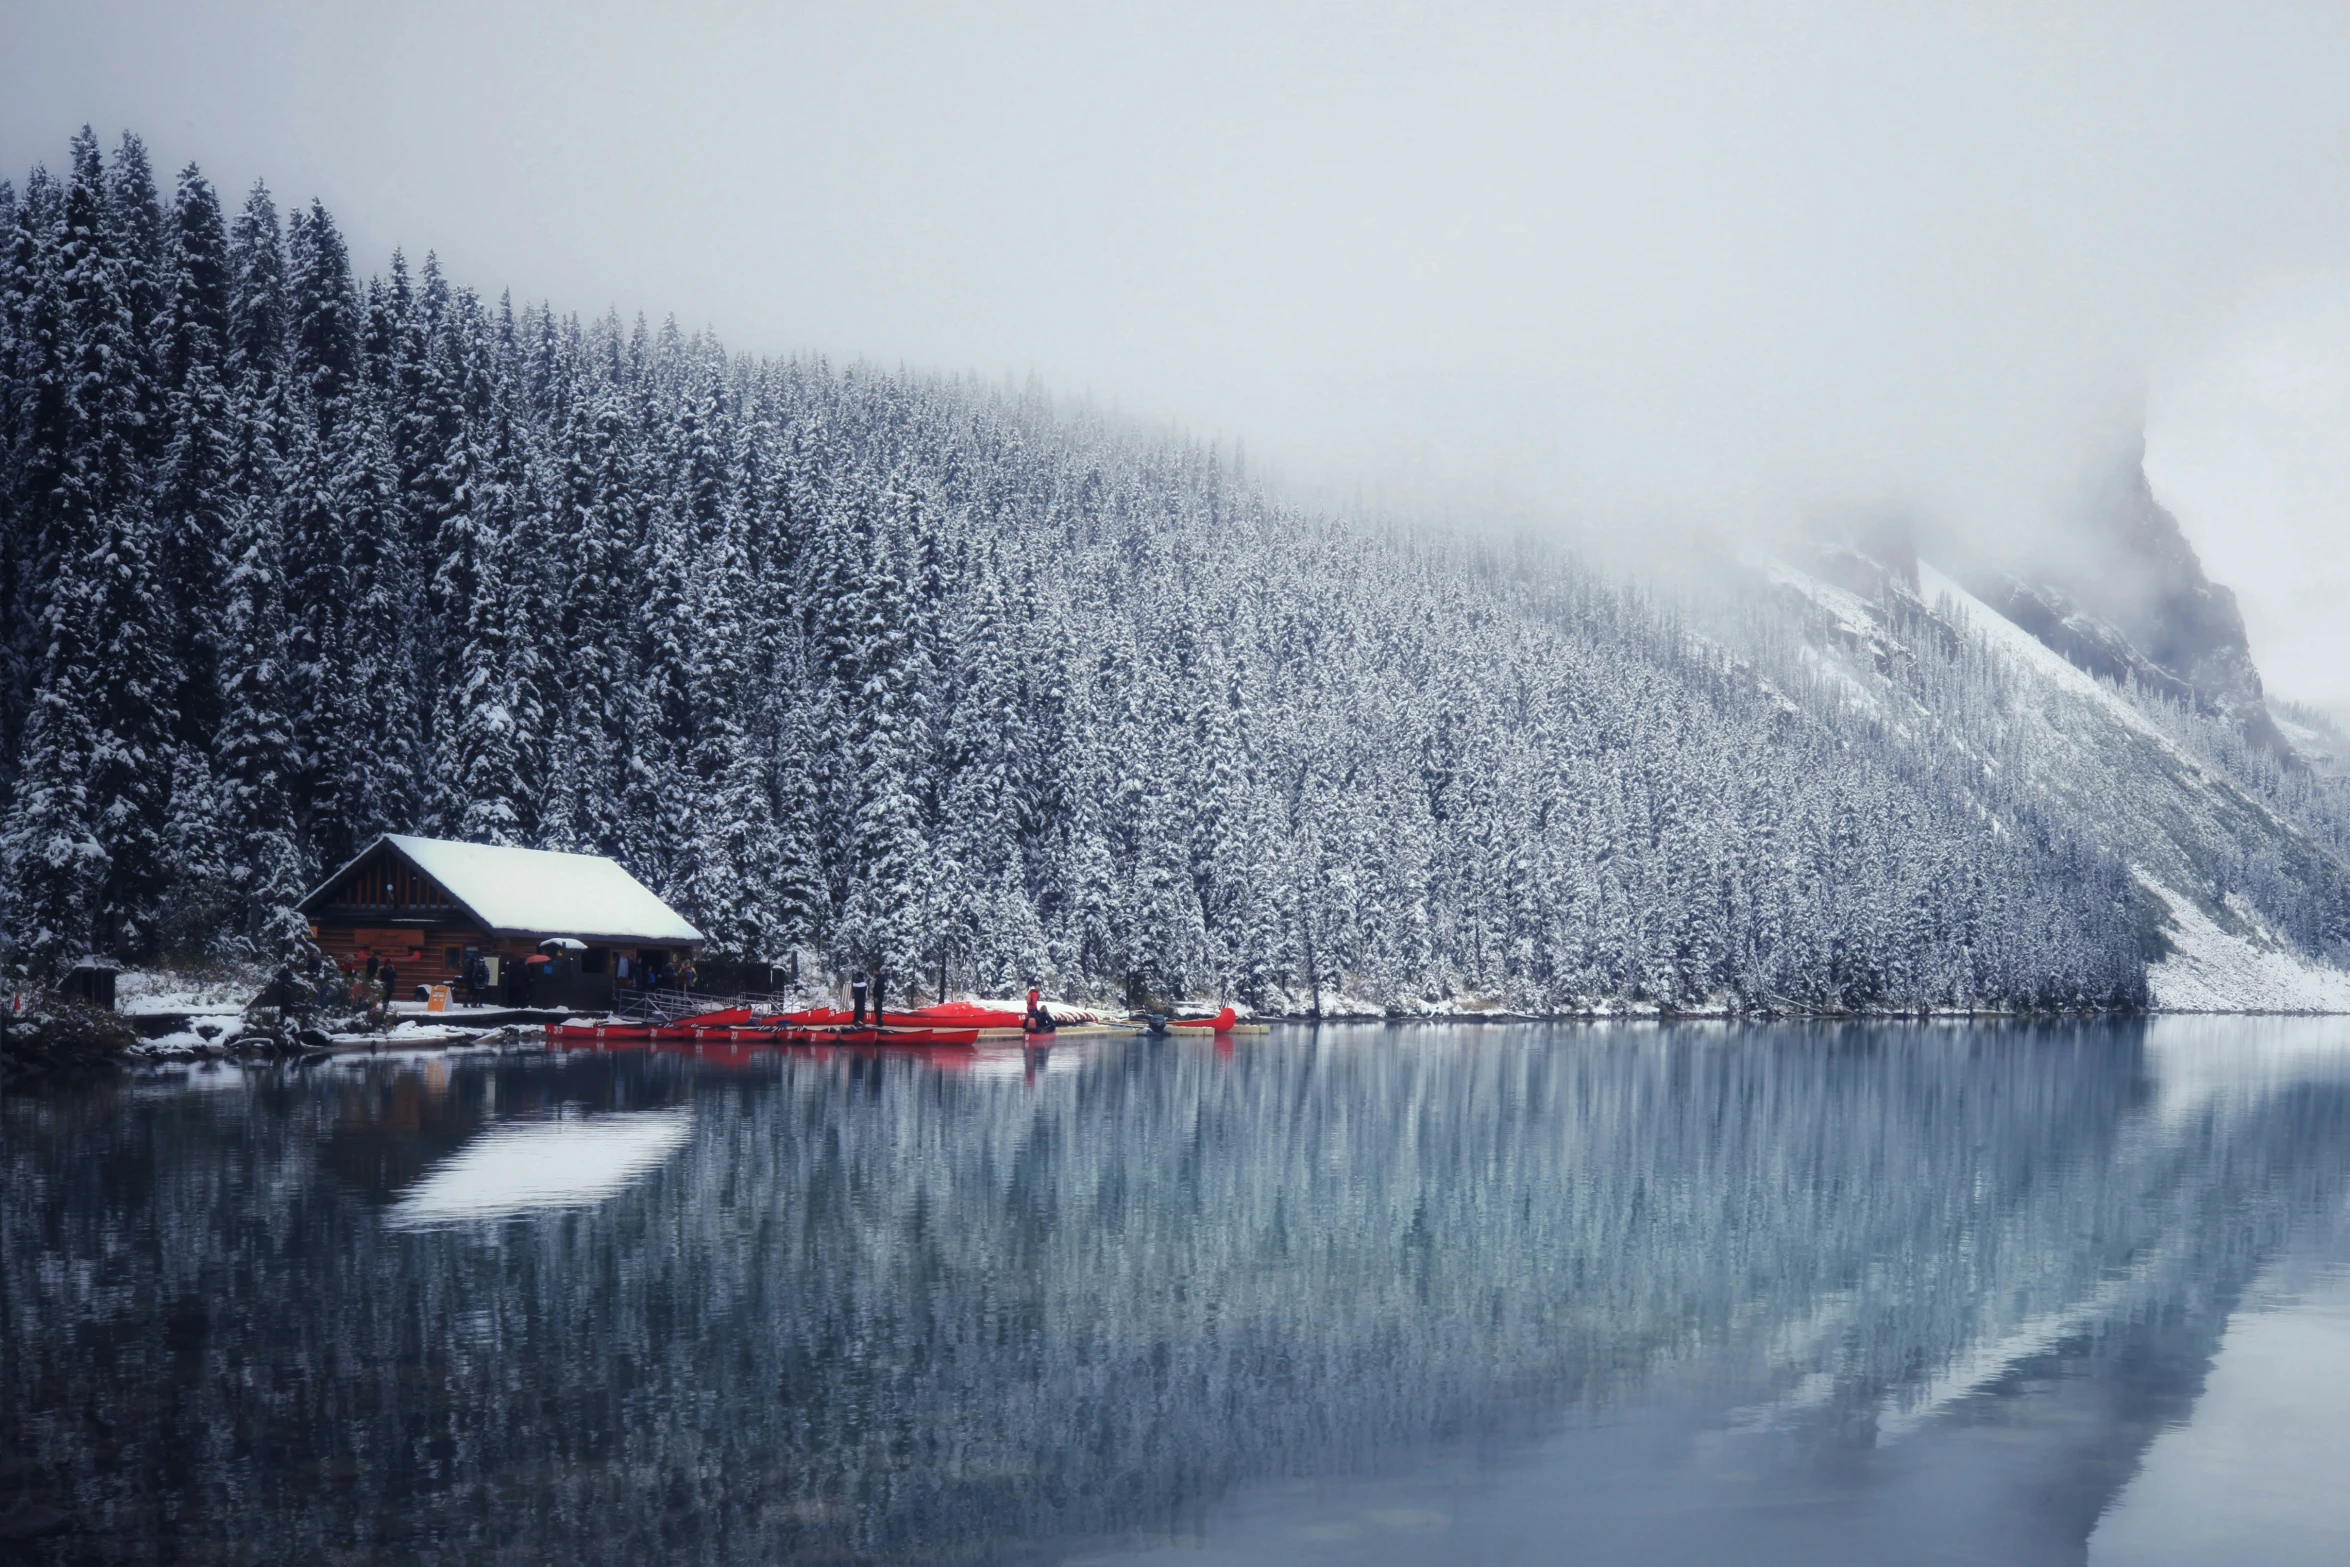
(971, 1014)
(1221, 1023)
(947, 1014)
(739, 1026)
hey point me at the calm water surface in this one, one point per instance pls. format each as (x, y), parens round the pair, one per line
(1413, 1295)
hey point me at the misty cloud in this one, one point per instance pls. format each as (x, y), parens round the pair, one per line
(1617, 265)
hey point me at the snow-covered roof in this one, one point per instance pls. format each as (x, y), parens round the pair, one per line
(542, 893)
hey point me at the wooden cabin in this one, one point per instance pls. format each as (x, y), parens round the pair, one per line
(430, 906)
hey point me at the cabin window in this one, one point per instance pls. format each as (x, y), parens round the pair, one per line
(453, 959)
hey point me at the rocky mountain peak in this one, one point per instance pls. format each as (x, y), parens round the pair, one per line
(2124, 596)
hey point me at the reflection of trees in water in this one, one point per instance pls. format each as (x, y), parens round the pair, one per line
(877, 1308)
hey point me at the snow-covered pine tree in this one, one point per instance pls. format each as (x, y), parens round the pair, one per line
(107, 556)
(983, 912)
(729, 854)
(201, 915)
(481, 793)
(887, 870)
(370, 778)
(254, 756)
(196, 482)
(36, 405)
(592, 541)
(331, 484)
(135, 216)
(257, 297)
(803, 907)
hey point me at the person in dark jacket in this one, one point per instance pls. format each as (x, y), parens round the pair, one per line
(876, 995)
(391, 981)
(857, 988)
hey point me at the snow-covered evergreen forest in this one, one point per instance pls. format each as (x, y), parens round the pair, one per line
(865, 665)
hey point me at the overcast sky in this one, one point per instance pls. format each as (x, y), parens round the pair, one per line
(1616, 264)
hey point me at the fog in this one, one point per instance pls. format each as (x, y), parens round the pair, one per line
(1620, 268)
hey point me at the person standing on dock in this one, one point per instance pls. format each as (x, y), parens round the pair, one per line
(390, 978)
(876, 995)
(857, 999)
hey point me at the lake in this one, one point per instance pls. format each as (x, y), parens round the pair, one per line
(1625, 1294)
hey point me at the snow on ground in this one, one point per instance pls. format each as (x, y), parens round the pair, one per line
(2213, 970)
(224, 1032)
(206, 991)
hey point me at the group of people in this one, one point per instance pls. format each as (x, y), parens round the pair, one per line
(865, 990)
(380, 972)
(314, 982)
(480, 985)
(659, 974)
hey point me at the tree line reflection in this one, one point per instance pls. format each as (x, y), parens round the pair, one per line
(872, 1308)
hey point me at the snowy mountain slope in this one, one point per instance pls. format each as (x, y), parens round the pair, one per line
(2120, 591)
(2211, 969)
(2221, 955)
(2315, 738)
(2237, 900)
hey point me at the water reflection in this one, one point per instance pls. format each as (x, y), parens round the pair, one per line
(523, 1167)
(1863, 1294)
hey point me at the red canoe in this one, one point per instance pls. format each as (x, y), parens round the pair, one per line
(896, 1036)
(950, 1014)
(1221, 1023)
(680, 1034)
(813, 1016)
(970, 1014)
(608, 1033)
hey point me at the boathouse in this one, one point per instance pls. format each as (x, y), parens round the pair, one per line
(430, 906)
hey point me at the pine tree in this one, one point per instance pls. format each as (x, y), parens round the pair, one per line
(201, 914)
(483, 791)
(882, 917)
(333, 486)
(729, 855)
(368, 781)
(802, 904)
(257, 299)
(107, 560)
(135, 216)
(196, 482)
(38, 436)
(590, 665)
(255, 756)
